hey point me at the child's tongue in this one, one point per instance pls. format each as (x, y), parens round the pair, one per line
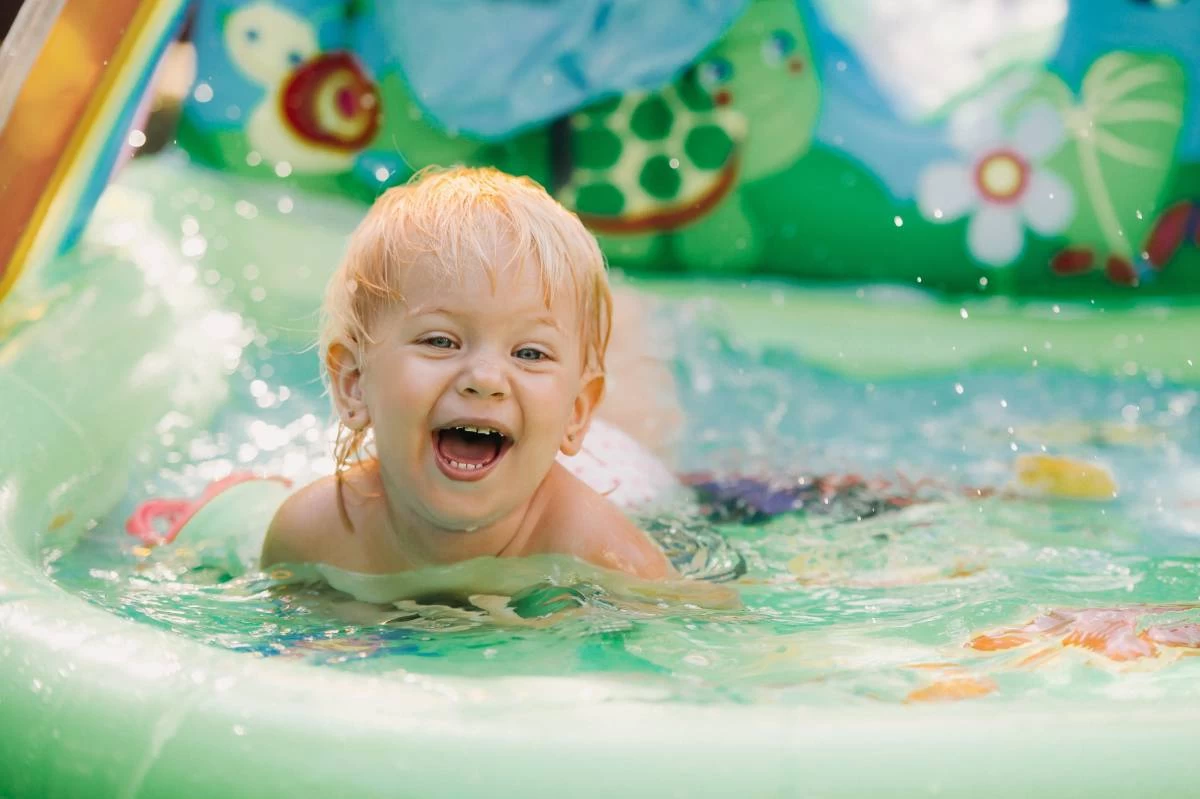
(464, 447)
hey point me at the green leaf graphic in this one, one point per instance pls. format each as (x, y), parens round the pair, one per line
(1121, 151)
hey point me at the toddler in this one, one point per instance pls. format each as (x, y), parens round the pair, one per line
(467, 330)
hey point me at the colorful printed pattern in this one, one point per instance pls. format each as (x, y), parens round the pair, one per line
(1112, 636)
(804, 141)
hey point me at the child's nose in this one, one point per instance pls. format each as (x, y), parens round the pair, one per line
(483, 378)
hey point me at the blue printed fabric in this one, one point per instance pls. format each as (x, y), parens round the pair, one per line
(489, 68)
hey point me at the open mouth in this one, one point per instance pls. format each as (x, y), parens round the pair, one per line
(468, 452)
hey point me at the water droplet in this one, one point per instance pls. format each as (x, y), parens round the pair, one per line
(193, 246)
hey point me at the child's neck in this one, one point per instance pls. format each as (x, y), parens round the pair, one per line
(422, 542)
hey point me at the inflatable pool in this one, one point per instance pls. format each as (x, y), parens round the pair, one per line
(948, 462)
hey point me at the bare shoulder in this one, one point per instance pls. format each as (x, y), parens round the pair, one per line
(299, 532)
(327, 523)
(578, 521)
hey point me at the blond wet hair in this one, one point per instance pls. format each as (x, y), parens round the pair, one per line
(453, 220)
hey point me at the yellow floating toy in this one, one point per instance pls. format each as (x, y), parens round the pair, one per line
(1065, 478)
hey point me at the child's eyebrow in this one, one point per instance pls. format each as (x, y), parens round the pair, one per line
(421, 310)
(542, 319)
(548, 321)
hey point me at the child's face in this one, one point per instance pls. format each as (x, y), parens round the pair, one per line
(469, 354)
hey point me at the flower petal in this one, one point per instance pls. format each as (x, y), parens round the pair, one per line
(975, 127)
(1048, 203)
(1039, 132)
(995, 236)
(946, 191)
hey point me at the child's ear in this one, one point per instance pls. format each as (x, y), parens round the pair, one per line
(581, 415)
(345, 381)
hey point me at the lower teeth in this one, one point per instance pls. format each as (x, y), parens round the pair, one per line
(470, 467)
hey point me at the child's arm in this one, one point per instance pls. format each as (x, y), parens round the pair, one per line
(582, 523)
(299, 532)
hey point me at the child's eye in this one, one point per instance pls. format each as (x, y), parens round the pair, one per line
(440, 342)
(530, 354)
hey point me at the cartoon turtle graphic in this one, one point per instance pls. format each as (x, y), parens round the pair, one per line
(658, 176)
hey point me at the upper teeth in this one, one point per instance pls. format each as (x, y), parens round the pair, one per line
(470, 429)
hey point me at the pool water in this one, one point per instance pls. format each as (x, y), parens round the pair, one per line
(905, 572)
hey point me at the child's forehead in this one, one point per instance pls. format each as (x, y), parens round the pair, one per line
(514, 277)
(515, 299)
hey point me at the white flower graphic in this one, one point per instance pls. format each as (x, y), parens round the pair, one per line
(1001, 181)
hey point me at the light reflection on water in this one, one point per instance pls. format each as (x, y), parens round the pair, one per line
(854, 600)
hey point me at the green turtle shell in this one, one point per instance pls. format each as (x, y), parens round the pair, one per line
(652, 160)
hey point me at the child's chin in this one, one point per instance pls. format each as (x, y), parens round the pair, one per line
(453, 517)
